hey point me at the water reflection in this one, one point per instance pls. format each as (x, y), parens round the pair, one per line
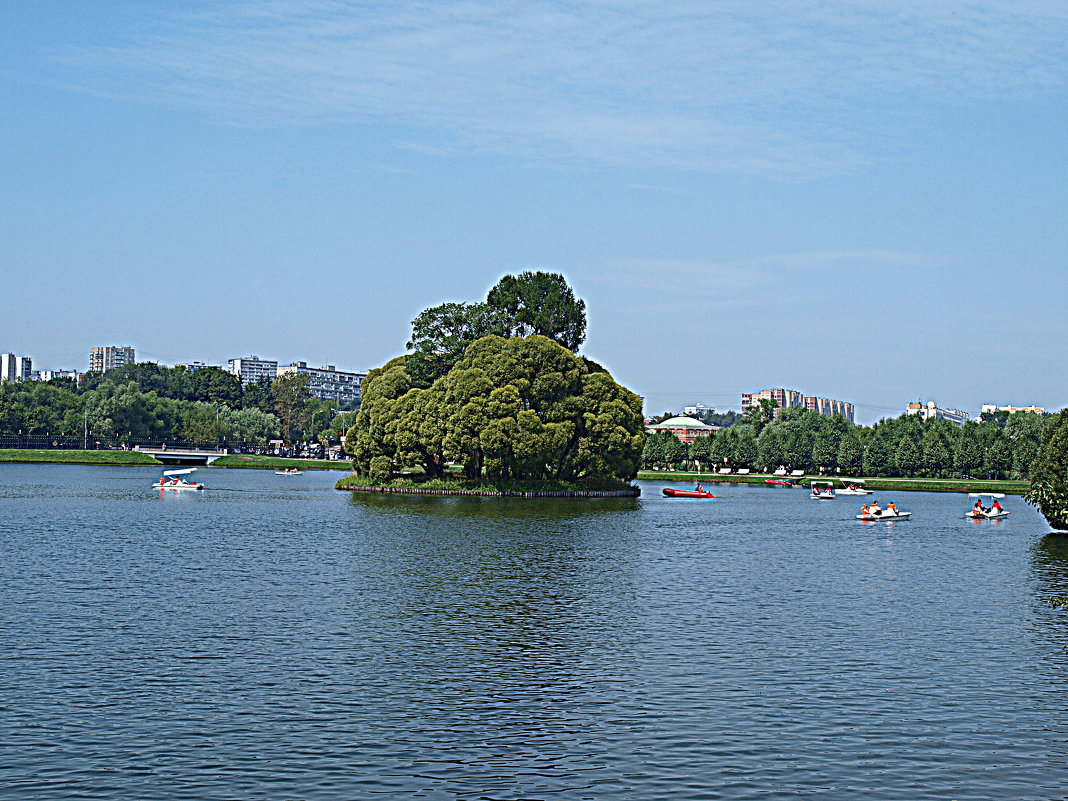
(467, 507)
(495, 611)
(1050, 561)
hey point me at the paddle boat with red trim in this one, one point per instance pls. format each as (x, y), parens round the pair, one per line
(980, 512)
(174, 480)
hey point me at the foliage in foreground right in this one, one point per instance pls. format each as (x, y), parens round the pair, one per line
(1049, 474)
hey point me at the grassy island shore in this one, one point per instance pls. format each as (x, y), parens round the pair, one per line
(460, 486)
(251, 461)
(919, 484)
(75, 457)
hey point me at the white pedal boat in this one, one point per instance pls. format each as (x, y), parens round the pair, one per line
(171, 480)
(884, 517)
(973, 514)
(822, 490)
(289, 472)
(854, 487)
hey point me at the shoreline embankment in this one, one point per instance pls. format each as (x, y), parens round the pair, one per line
(873, 483)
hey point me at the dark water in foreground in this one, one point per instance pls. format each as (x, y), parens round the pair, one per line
(272, 638)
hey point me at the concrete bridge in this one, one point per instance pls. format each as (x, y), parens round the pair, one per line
(180, 455)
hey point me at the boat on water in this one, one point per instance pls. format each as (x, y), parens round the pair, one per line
(873, 513)
(884, 517)
(781, 482)
(822, 490)
(173, 480)
(854, 486)
(673, 492)
(293, 472)
(980, 512)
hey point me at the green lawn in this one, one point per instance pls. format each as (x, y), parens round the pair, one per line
(254, 462)
(75, 457)
(921, 484)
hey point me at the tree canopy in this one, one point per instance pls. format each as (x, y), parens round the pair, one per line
(510, 408)
(540, 303)
(151, 402)
(906, 446)
(1049, 474)
(517, 306)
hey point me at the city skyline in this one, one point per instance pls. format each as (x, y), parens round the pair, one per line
(863, 201)
(745, 398)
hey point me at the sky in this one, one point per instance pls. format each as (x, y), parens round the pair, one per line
(860, 200)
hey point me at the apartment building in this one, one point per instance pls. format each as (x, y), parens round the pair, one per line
(830, 407)
(192, 367)
(252, 369)
(15, 368)
(993, 408)
(328, 383)
(784, 398)
(109, 357)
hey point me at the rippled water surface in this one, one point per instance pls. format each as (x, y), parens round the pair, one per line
(273, 638)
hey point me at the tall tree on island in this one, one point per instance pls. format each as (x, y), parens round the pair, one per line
(441, 334)
(518, 306)
(540, 303)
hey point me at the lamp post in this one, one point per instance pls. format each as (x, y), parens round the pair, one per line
(85, 428)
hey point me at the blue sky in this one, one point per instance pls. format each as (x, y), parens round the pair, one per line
(860, 200)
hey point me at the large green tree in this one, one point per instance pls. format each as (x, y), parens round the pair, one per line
(760, 415)
(292, 403)
(540, 303)
(511, 408)
(1049, 474)
(441, 334)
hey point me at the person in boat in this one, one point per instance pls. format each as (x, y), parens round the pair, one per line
(979, 509)
(995, 507)
(874, 509)
(699, 488)
(864, 509)
(891, 509)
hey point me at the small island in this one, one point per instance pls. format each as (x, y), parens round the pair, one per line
(492, 399)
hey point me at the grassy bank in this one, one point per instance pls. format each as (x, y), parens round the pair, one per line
(452, 483)
(251, 461)
(75, 457)
(918, 484)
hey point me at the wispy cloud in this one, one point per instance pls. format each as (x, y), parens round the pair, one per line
(788, 87)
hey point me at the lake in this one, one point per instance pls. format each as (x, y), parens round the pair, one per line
(273, 638)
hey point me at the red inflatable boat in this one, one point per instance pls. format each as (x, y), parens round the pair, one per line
(671, 492)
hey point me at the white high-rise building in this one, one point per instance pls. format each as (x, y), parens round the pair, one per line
(328, 383)
(252, 369)
(15, 368)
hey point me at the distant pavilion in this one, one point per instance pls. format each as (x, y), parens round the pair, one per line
(687, 429)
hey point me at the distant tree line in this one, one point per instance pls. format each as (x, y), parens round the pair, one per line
(904, 446)
(150, 402)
